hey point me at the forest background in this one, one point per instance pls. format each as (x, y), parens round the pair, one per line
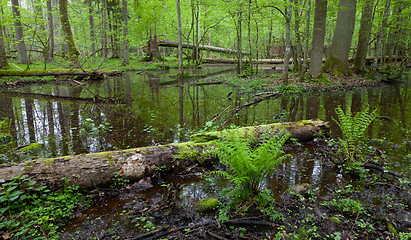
(33, 30)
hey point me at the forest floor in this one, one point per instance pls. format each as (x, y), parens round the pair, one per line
(377, 206)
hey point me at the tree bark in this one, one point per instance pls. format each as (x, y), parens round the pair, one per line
(364, 34)
(99, 169)
(378, 48)
(168, 43)
(317, 47)
(239, 41)
(3, 57)
(287, 55)
(307, 40)
(180, 40)
(126, 54)
(50, 22)
(91, 21)
(68, 34)
(337, 59)
(21, 46)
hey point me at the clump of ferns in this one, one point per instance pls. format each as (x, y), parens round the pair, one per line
(353, 129)
(248, 166)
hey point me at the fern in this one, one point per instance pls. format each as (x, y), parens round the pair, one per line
(249, 167)
(353, 129)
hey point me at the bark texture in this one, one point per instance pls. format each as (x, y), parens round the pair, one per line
(3, 57)
(126, 55)
(168, 43)
(364, 34)
(317, 49)
(68, 34)
(91, 21)
(287, 54)
(98, 169)
(21, 46)
(50, 23)
(337, 59)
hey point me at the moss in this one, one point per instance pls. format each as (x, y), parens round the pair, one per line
(49, 161)
(207, 205)
(305, 122)
(32, 147)
(204, 137)
(391, 228)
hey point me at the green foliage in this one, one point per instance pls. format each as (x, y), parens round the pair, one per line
(30, 212)
(347, 205)
(248, 167)
(118, 181)
(5, 129)
(353, 129)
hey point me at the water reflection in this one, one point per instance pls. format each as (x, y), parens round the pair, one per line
(151, 108)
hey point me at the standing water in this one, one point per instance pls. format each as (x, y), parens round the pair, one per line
(153, 107)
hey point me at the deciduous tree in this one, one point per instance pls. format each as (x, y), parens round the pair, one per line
(337, 59)
(317, 46)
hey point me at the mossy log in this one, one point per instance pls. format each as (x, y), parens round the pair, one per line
(100, 169)
(59, 72)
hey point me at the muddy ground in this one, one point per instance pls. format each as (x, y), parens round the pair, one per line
(376, 206)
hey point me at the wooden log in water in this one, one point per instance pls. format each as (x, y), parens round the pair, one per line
(101, 169)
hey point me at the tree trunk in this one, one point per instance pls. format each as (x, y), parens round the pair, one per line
(126, 55)
(317, 46)
(3, 57)
(50, 21)
(91, 21)
(21, 46)
(337, 59)
(378, 47)
(68, 34)
(364, 34)
(307, 40)
(99, 169)
(180, 40)
(394, 34)
(288, 14)
(239, 41)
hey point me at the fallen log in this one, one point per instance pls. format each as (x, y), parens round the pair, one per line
(60, 72)
(101, 169)
(232, 60)
(168, 43)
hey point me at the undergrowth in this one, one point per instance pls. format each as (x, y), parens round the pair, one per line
(31, 212)
(247, 169)
(353, 129)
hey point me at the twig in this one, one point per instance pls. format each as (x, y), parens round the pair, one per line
(255, 101)
(17, 66)
(216, 236)
(250, 222)
(179, 229)
(219, 115)
(141, 236)
(383, 170)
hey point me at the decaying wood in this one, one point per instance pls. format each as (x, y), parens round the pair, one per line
(232, 60)
(100, 169)
(59, 72)
(168, 43)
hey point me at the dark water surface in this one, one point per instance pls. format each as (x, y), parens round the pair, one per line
(151, 108)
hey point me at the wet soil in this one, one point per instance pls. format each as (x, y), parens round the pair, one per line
(376, 206)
